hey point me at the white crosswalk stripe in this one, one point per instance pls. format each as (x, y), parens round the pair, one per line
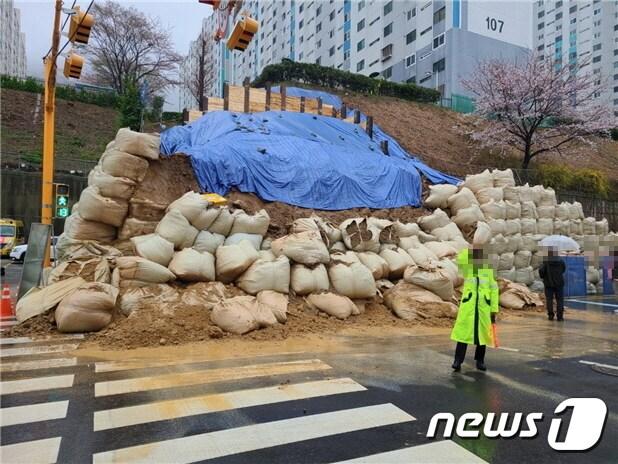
(42, 349)
(39, 364)
(36, 384)
(442, 452)
(33, 413)
(18, 340)
(36, 451)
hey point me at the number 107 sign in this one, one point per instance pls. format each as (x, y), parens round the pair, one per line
(506, 21)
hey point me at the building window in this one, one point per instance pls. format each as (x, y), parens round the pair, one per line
(540, 26)
(387, 52)
(318, 11)
(388, 7)
(346, 36)
(331, 16)
(410, 60)
(426, 31)
(573, 9)
(558, 16)
(438, 41)
(331, 52)
(596, 59)
(388, 29)
(439, 65)
(300, 56)
(439, 15)
(540, 47)
(360, 25)
(318, 61)
(346, 55)
(319, 43)
(331, 34)
(300, 24)
(360, 65)
(388, 72)
(596, 47)
(540, 14)
(411, 37)
(360, 45)
(318, 27)
(425, 79)
(361, 5)
(558, 5)
(573, 21)
(374, 21)
(411, 80)
(597, 11)
(411, 13)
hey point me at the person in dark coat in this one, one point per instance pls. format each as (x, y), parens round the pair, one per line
(552, 273)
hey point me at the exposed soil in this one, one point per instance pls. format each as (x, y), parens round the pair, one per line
(167, 179)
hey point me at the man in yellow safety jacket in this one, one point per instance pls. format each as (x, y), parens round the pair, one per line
(477, 309)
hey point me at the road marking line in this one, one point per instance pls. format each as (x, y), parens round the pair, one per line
(33, 413)
(593, 303)
(36, 451)
(591, 363)
(41, 364)
(442, 452)
(172, 409)
(203, 376)
(36, 384)
(8, 352)
(253, 437)
(508, 349)
(16, 340)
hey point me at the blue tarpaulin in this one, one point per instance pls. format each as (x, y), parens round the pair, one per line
(301, 159)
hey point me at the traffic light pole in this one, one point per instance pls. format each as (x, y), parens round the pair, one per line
(47, 186)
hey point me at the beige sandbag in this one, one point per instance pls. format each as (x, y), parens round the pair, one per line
(524, 275)
(304, 225)
(266, 255)
(406, 229)
(388, 234)
(589, 226)
(422, 256)
(537, 192)
(255, 224)
(503, 178)
(461, 200)
(508, 274)
(562, 211)
(397, 262)
(482, 234)
(511, 194)
(448, 232)
(425, 237)
(498, 244)
(526, 194)
(38, 300)
(592, 275)
(409, 302)
(68, 248)
(562, 227)
(138, 268)
(527, 226)
(224, 222)
(476, 182)
(497, 226)
(137, 143)
(512, 227)
(208, 242)
(575, 227)
(601, 227)
(546, 212)
(506, 261)
(522, 259)
(266, 275)
(349, 257)
(441, 249)
(146, 210)
(338, 306)
(439, 195)
(162, 296)
(305, 280)
(487, 194)
(358, 235)
(545, 226)
(577, 211)
(192, 266)
(353, 280)
(232, 261)
(548, 197)
(175, 228)
(512, 210)
(203, 294)
(458, 244)
(453, 271)
(195, 209)
(274, 302)
(434, 278)
(434, 220)
(87, 309)
(78, 228)
(514, 243)
(303, 247)
(154, 248)
(375, 263)
(95, 207)
(468, 217)
(133, 227)
(110, 186)
(412, 241)
(530, 242)
(528, 210)
(236, 315)
(120, 164)
(234, 239)
(494, 209)
(338, 247)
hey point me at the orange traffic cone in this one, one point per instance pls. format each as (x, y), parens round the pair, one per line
(6, 304)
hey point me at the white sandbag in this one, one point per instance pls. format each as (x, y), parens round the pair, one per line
(508, 274)
(87, 309)
(435, 279)
(234, 239)
(453, 271)
(575, 227)
(388, 234)
(231, 261)
(545, 226)
(592, 275)
(461, 200)
(208, 242)
(562, 211)
(132, 227)
(548, 197)
(120, 164)
(247, 224)
(512, 227)
(498, 244)
(37, 300)
(338, 246)
(328, 230)
(524, 275)
(352, 280)
(528, 210)
(476, 182)
(359, 236)
(468, 217)
(526, 194)
(224, 222)
(95, 207)
(138, 268)
(422, 256)
(439, 195)
(578, 211)
(305, 280)
(536, 260)
(236, 315)
(410, 302)
(378, 266)
(447, 232)
(266, 275)
(512, 209)
(412, 241)
(493, 259)
(537, 192)
(266, 255)
(562, 227)
(406, 230)
(458, 244)
(514, 243)
(589, 226)
(137, 143)
(264, 315)
(441, 249)
(537, 286)
(175, 228)
(528, 226)
(487, 194)
(424, 237)
(530, 242)
(482, 234)
(153, 247)
(497, 226)
(266, 243)
(506, 261)
(349, 257)
(494, 209)
(78, 228)
(434, 220)
(522, 259)
(303, 247)
(304, 225)
(275, 302)
(601, 227)
(511, 194)
(195, 209)
(110, 186)
(546, 212)
(338, 306)
(397, 262)
(378, 223)
(192, 266)
(503, 178)
(573, 211)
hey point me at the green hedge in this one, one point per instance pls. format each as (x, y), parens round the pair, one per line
(561, 177)
(310, 73)
(106, 99)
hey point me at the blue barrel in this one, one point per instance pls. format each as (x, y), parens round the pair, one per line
(574, 276)
(608, 286)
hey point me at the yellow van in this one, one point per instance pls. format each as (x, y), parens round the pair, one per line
(11, 234)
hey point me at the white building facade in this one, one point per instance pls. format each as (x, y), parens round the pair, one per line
(13, 49)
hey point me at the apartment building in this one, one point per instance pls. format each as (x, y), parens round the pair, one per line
(13, 49)
(572, 31)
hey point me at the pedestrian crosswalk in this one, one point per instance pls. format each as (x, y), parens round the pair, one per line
(133, 411)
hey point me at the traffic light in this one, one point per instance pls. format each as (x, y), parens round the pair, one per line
(73, 65)
(62, 200)
(80, 26)
(243, 32)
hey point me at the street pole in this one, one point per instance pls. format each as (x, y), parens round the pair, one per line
(47, 186)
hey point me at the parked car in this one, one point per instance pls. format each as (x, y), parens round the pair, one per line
(19, 252)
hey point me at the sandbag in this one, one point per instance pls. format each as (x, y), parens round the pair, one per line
(146, 210)
(37, 300)
(439, 195)
(516, 296)
(536, 260)
(359, 236)
(412, 241)
(458, 244)
(192, 266)
(435, 279)
(441, 249)
(513, 243)
(338, 306)
(246, 224)
(410, 302)
(266, 275)
(154, 248)
(447, 232)
(224, 222)
(512, 227)
(352, 280)
(138, 268)
(68, 248)
(530, 242)
(406, 230)
(303, 247)
(305, 280)
(545, 226)
(548, 197)
(425, 237)
(95, 207)
(562, 211)
(137, 143)
(546, 212)
(349, 257)
(378, 266)
(78, 228)
(163, 296)
(487, 194)
(506, 261)
(537, 192)
(195, 209)
(87, 309)
(266, 255)
(236, 315)
(524, 275)
(175, 228)
(574, 210)
(575, 227)
(208, 242)
(537, 286)
(503, 178)
(397, 262)
(497, 226)
(561, 227)
(522, 259)
(461, 200)
(422, 256)
(527, 226)
(482, 234)
(434, 220)
(275, 302)
(476, 182)
(304, 225)
(512, 210)
(511, 194)
(494, 209)
(508, 274)
(110, 186)
(338, 247)
(232, 261)
(132, 227)
(120, 164)
(387, 233)
(601, 227)
(468, 217)
(526, 194)
(528, 210)
(498, 244)
(592, 275)
(589, 226)
(453, 271)
(234, 239)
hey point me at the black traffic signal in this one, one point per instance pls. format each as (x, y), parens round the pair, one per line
(62, 200)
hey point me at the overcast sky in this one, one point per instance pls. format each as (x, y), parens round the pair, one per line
(182, 17)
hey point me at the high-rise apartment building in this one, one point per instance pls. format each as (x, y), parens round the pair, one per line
(13, 49)
(581, 32)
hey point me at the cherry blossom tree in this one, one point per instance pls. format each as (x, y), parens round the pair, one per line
(536, 106)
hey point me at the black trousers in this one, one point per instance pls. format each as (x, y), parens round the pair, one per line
(460, 352)
(550, 294)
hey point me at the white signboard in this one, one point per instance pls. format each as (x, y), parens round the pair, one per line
(509, 21)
